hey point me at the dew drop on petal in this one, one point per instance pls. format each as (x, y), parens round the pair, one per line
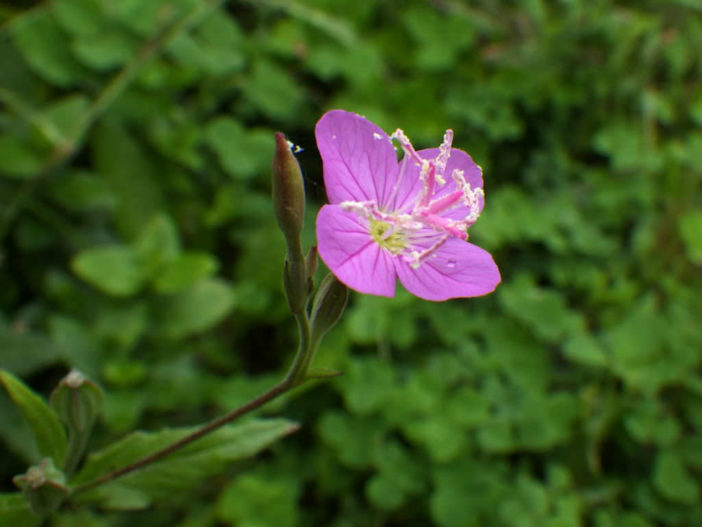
(451, 264)
(376, 135)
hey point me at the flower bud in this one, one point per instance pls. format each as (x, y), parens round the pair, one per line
(77, 401)
(44, 485)
(288, 190)
(328, 306)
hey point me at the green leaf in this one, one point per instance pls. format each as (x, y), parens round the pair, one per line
(79, 17)
(242, 153)
(19, 160)
(585, 349)
(109, 49)
(25, 353)
(157, 244)
(352, 438)
(273, 91)
(81, 192)
(672, 480)
(114, 269)
(367, 385)
(543, 310)
(384, 493)
(690, 229)
(48, 432)
(44, 46)
(181, 470)
(130, 174)
(66, 115)
(14, 510)
(196, 309)
(184, 271)
(215, 46)
(253, 499)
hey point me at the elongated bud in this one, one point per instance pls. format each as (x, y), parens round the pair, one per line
(77, 401)
(328, 306)
(44, 486)
(288, 190)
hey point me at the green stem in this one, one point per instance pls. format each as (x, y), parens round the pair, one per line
(298, 369)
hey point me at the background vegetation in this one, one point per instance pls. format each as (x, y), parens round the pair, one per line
(139, 245)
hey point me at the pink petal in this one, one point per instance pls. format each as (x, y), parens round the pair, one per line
(410, 184)
(457, 269)
(346, 247)
(360, 163)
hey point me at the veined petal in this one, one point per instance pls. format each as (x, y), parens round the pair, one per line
(346, 247)
(456, 269)
(360, 163)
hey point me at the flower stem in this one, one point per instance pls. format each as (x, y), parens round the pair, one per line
(298, 369)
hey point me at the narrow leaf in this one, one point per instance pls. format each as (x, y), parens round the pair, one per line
(48, 432)
(181, 470)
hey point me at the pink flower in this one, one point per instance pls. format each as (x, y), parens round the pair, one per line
(408, 219)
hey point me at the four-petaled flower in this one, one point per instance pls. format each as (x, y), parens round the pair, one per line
(408, 219)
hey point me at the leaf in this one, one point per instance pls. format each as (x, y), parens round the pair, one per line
(14, 510)
(196, 309)
(543, 310)
(215, 47)
(25, 353)
(113, 269)
(130, 174)
(367, 385)
(79, 17)
(81, 192)
(273, 91)
(690, 229)
(66, 114)
(44, 46)
(179, 471)
(48, 432)
(254, 499)
(107, 50)
(672, 480)
(19, 160)
(243, 153)
(184, 271)
(157, 244)
(585, 349)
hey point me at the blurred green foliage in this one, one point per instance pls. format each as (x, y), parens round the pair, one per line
(138, 244)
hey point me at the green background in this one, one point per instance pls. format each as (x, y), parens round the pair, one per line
(138, 244)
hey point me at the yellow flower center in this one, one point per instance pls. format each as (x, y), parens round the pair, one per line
(388, 238)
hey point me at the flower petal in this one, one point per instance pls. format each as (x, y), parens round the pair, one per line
(410, 184)
(360, 163)
(457, 269)
(346, 247)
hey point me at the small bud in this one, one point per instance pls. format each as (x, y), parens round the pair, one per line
(288, 190)
(44, 485)
(328, 306)
(77, 401)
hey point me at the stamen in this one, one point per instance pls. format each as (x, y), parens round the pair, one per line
(401, 138)
(443, 157)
